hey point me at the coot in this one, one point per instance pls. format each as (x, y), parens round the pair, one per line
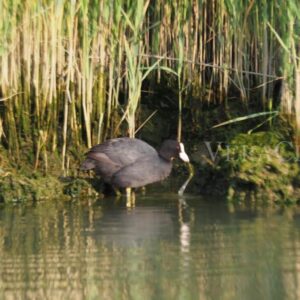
(132, 163)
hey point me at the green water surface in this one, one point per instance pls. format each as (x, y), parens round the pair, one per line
(160, 249)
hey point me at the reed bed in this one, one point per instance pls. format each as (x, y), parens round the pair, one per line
(64, 64)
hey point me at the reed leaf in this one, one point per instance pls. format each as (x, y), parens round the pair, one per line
(245, 118)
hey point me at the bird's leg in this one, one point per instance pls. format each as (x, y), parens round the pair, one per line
(128, 192)
(130, 198)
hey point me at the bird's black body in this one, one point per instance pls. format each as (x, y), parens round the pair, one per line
(126, 162)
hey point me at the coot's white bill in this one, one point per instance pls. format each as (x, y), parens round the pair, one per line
(182, 154)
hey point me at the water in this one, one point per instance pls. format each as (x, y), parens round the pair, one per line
(161, 249)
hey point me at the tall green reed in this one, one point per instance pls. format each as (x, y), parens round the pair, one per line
(64, 64)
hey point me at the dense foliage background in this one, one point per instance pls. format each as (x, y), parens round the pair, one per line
(73, 72)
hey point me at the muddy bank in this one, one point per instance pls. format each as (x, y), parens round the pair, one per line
(260, 165)
(20, 182)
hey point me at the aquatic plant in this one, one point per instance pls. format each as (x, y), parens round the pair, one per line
(66, 66)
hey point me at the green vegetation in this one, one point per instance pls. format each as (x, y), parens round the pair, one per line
(73, 73)
(262, 162)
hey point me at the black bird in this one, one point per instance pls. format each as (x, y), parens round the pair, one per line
(132, 163)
